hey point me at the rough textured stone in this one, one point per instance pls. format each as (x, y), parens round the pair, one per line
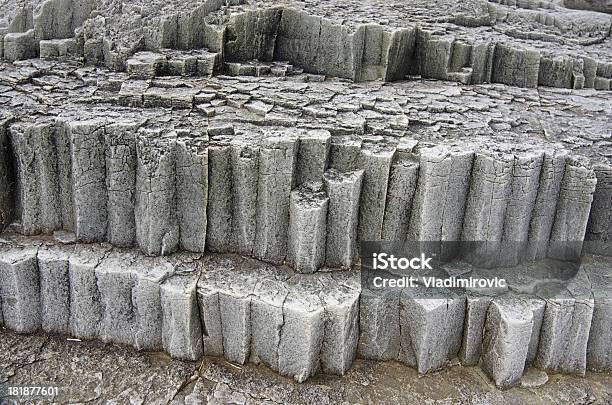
(307, 229)
(343, 190)
(507, 334)
(181, 329)
(20, 290)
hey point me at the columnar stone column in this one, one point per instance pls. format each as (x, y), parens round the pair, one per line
(307, 229)
(89, 180)
(157, 227)
(19, 283)
(120, 140)
(344, 191)
(192, 192)
(276, 179)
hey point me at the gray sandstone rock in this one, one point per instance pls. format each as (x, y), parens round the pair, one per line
(157, 227)
(277, 164)
(376, 163)
(572, 214)
(6, 178)
(19, 281)
(508, 331)
(181, 329)
(219, 206)
(431, 326)
(89, 180)
(245, 169)
(86, 306)
(473, 326)
(53, 265)
(120, 141)
(192, 193)
(344, 190)
(307, 229)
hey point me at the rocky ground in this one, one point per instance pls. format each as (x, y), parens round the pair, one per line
(91, 372)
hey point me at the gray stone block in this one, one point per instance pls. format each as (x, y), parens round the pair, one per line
(307, 229)
(343, 190)
(521, 204)
(572, 212)
(89, 180)
(210, 314)
(302, 333)
(120, 141)
(508, 331)
(7, 178)
(37, 177)
(277, 164)
(431, 325)
(64, 169)
(486, 206)
(146, 65)
(267, 316)
(537, 307)
(598, 238)
(20, 46)
(565, 334)
(515, 66)
(53, 264)
(253, 35)
(400, 192)
(192, 192)
(235, 299)
(148, 275)
(181, 330)
(376, 162)
(473, 326)
(19, 279)
(219, 223)
(543, 215)
(61, 48)
(245, 169)
(379, 324)
(433, 54)
(345, 153)
(115, 280)
(340, 297)
(157, 227)
(599, 350)
(442, 172)
(86, 307)
(313, 153)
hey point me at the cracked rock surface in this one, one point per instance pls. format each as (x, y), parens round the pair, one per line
(117, 374)
(196, 177)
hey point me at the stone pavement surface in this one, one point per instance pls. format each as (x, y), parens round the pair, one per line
(92, 372)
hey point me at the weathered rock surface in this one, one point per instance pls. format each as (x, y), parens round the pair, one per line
(144, 145)
(245, 310)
